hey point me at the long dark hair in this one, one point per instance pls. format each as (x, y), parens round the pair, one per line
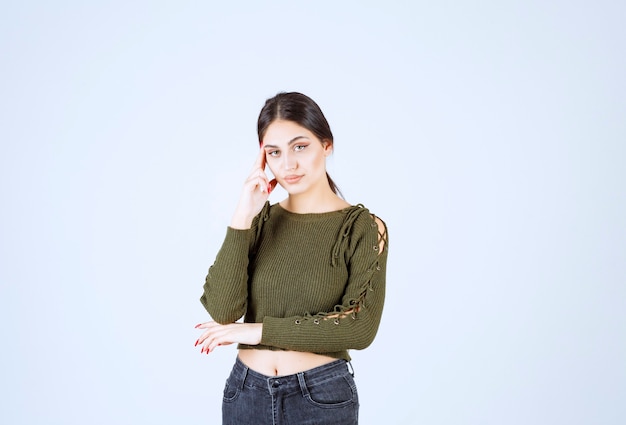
(302, 110)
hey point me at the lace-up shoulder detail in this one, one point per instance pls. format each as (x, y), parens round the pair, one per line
(346, 228)
(382, 234)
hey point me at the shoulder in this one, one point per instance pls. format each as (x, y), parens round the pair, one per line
(371, 224)
(368, 216)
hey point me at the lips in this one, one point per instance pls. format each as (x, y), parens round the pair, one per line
(292, 179)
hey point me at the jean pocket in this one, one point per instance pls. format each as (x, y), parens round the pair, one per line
(334, 393)
(231, 391)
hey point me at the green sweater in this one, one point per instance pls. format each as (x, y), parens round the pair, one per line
(316, 281)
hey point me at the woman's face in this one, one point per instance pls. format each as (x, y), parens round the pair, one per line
(296, 156)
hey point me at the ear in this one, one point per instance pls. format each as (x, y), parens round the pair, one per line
(328, 147)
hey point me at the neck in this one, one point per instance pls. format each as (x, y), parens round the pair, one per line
(304, 203)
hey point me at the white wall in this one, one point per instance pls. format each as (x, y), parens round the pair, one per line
(490, 137)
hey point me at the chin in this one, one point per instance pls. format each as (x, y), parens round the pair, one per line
(294, 191)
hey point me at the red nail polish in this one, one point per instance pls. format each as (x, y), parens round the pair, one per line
(196, 344)
(198, 325)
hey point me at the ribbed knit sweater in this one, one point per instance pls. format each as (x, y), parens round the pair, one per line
(316, 281)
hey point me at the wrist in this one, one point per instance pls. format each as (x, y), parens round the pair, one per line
(258, 327)
(241, 222)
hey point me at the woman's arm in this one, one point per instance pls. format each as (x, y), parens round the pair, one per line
(217, 334)
(226, 285)
(225, 295)
(353, 324)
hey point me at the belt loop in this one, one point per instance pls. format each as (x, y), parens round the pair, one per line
(244, 375)
(350, 369)
(303, 388)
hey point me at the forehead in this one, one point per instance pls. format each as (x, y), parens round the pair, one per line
(282, 132)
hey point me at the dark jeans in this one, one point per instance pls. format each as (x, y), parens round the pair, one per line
(323, 395)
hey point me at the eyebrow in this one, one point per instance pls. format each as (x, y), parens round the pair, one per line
(295, 139)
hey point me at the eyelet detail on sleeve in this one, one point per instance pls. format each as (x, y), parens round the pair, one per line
(316, 321)
(375, 247)
(298, 321)
(336, 321)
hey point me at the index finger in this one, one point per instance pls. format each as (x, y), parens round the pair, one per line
(260, 160)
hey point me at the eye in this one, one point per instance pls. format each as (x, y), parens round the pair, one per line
(273, 153)
(299, 148)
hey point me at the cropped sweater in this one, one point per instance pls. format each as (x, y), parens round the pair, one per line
(316, 281)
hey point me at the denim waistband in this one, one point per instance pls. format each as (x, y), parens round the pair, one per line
(317, 375)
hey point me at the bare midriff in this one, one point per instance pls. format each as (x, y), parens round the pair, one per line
(281, 363)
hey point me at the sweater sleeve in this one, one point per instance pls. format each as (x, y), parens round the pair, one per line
(225, 287)
(354, 323)
(225, 295)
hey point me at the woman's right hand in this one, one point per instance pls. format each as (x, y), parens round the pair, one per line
(256, 190)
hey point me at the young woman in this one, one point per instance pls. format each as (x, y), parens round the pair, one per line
(307, 274)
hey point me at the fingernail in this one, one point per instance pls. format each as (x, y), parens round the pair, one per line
(196, 344)
(198, 325)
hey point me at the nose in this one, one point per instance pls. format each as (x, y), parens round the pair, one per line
(290, 162)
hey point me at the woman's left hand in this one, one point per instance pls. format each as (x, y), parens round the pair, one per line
(233, 333)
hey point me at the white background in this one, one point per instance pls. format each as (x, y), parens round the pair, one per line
(489, 135)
